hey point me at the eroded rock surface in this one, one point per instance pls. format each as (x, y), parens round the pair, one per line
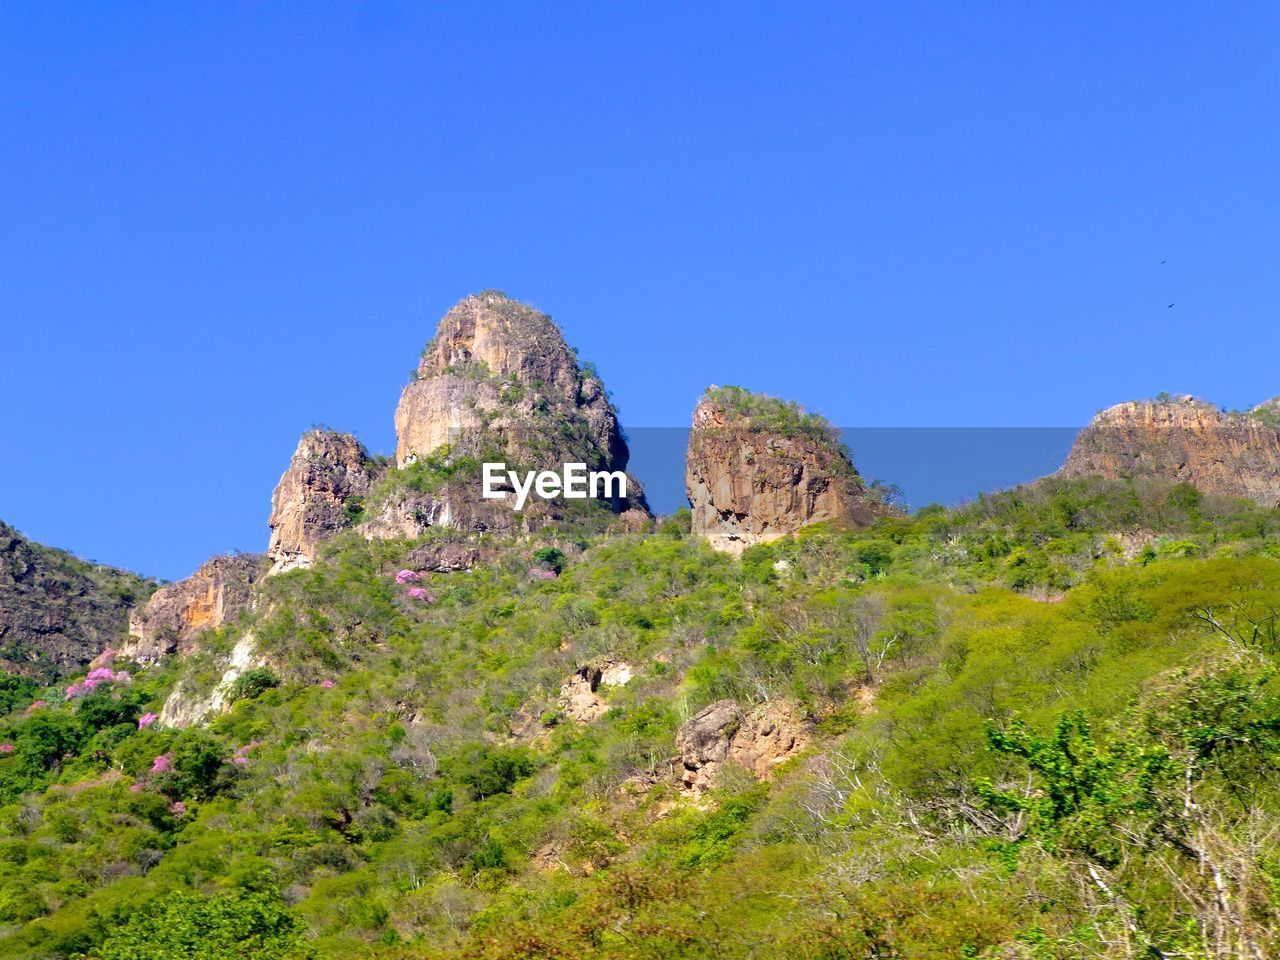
(175, 615)
(759, 468)
(319, 494)
(578, 697)
(499, 376)
(1184, 440)
(759, 740)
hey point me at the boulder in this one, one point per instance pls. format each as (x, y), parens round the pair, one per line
(759, 740)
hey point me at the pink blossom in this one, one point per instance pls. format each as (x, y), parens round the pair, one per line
(100, 676)
(417, 593)
(122, 676)
(38, 705)
(146, 720)
(326, 683)
(178, 808)
(239, 759)
(135, 788)
(76, 690)
(408, 576)
(541, 573)
(6, 748)
(162, 763)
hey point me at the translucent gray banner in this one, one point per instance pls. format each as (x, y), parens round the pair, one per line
(946, 465)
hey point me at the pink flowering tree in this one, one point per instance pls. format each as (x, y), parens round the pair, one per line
(147, 719)
(408, 576)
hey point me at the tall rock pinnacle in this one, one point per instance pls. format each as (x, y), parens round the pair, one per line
(316, 497)
(498, 377)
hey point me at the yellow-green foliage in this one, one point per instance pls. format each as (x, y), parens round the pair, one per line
(1006, 697)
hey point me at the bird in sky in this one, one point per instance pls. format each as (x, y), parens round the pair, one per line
(1171, 304)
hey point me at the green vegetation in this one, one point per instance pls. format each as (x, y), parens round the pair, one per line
(768, 414)
(1045, 725)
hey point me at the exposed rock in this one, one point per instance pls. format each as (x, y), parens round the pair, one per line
(175, 615)
(184, 707)
(1184, 440)
(58, 612)
(759, 468)
(318, 495)
(759, 740)
(494, 377)
(498, 382)
(444, 556)
(578, 697)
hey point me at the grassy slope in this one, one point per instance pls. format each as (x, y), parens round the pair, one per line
(433, 802)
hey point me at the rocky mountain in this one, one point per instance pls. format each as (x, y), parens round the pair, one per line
(58, 612)
(1182, 439)
(759, 468)
(320, 493)
(496, 382)
(175, 615)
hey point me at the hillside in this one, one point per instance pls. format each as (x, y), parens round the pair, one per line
(790, 721)
(57, 612)
(1043, 725)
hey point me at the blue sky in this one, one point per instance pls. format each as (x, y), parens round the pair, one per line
(223, 223)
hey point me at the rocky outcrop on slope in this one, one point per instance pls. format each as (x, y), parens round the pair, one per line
(1184, 440)
(578, 697)
(175, 615)
(319, 494)
(759, 468)
(496, 383)
(499, 377)
(758, 740)
(58, 612)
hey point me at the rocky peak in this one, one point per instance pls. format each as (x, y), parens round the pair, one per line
(499, 377)
(1184, 440)
(318, 495)
(176, 614)
(759, 468)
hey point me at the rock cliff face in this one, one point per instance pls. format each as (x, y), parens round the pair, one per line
(758, 740)
(497, 382)
(499, 377)
(175, 615)
(319, 494)
(1187, 441)
(759, 468)
(58, 612)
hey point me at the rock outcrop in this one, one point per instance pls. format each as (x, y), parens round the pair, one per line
(175, 615)
(499, 377)
(759, 468)
(757, 740)
(58, 612)
(1184, 440)
(496, 383)
(319, 494)
(578, 697)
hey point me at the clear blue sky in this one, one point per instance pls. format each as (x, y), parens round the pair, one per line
(225, 222)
